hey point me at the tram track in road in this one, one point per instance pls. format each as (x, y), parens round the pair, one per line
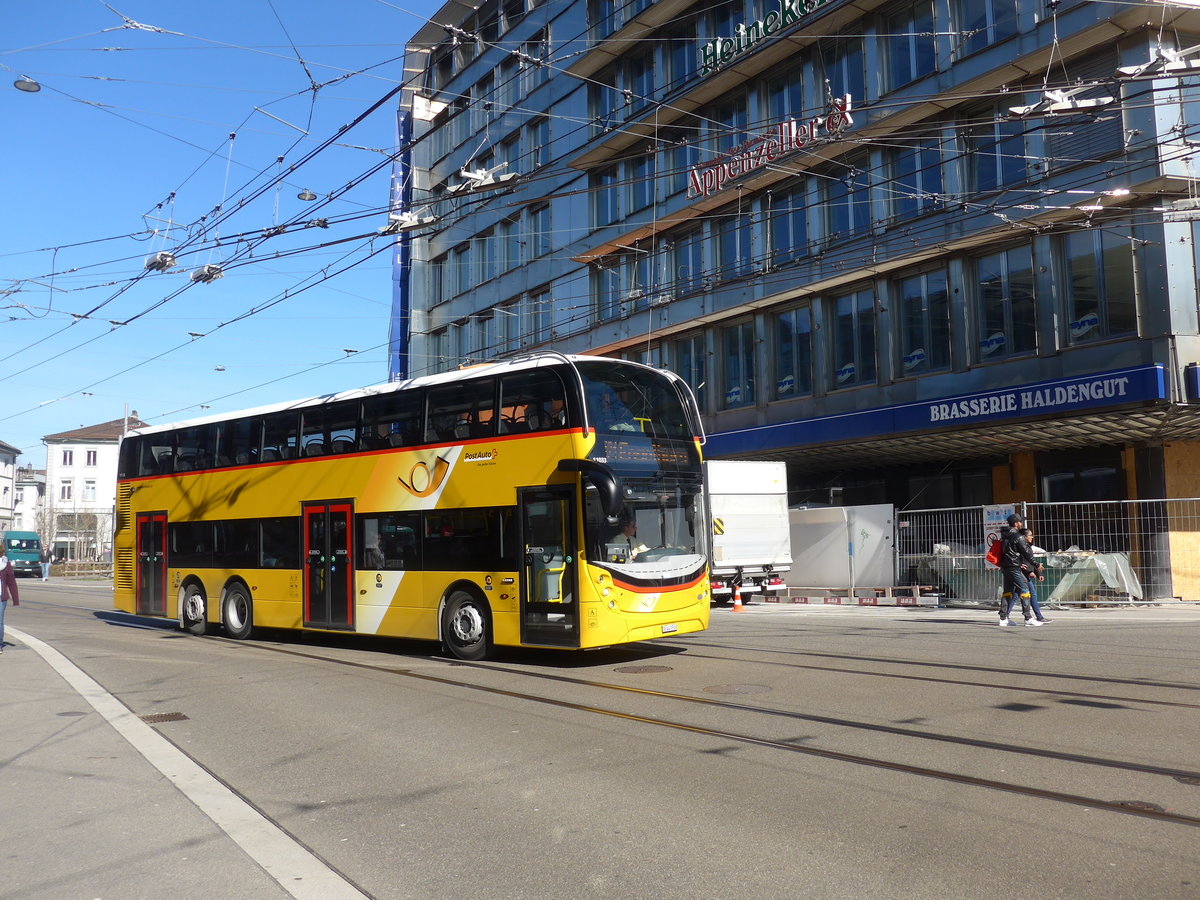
(992, 670)
(1142, 810)
(1148, 811)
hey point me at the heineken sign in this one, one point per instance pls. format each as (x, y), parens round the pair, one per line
(705, 179)
(721, 51)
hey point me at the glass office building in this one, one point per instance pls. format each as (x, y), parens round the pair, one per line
(931, 253)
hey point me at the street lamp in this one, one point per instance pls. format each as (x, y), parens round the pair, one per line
(28, 85)
(306, 195)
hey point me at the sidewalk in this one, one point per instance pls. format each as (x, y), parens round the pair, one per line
(86, 814)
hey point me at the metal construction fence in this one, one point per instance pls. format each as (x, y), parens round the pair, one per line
(1095, 554)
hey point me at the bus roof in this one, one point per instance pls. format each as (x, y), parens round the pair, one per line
(530, 361)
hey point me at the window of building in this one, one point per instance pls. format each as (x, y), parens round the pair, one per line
(65, 489)
(485, 256)
(690, 363)
(984, 22)
(89, 492)
(995, 150)
(540, 236)
(681, 143)
(734, 244)
(508, 328)
(534, 70)
(514, 12)
(909, 43)
(439, 280)
(915, 174)
(640, 282)
(640, 180)
(508, 85)
(1006, 309)
(793, 353)
(604, 102)
(605, 197)
(462, 269)
(510, 244)
(535, 316)
(89, 458)
(738, 358)
(510, 152)
(537, 139)
(606, 290)
(924, 322)
(682, 57)
(68, 458)
(787, 226)
(727, 127)
(847, 202)
(488, 18)
(785, 96)
(687, 259)
(481, 103)
(1101, 287)
(602, 18)
(853, 343)
(842, 64)
(639, 81)
(1076, 140)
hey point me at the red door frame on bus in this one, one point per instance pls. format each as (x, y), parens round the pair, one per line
(151, 588)
(329, 564)
(549, 591)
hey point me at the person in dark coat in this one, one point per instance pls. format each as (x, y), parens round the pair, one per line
(1015, 554)
(8, 591)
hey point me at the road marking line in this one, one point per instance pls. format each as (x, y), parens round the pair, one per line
(296, 869)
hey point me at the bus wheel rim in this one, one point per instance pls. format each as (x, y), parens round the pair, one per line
(467, 624)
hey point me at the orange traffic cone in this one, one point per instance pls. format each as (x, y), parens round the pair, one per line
(737, 598)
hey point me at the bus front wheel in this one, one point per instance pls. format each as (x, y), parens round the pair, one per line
(193, 610)
(239, 613)
(466, 626)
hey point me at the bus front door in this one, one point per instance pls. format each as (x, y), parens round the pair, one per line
(328, 566)
(549, 607)
(152, 564)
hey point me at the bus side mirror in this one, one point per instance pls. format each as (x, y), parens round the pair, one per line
(605, 480)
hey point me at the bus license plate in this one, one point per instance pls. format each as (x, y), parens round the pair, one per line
(669, 629)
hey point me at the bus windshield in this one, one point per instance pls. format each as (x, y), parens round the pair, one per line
(659, 533)
(629, 399)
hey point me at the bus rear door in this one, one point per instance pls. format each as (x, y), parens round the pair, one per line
(549, 607)
(328, 569)
(152, 564)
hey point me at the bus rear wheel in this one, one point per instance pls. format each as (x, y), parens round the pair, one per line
(193, 610)
(238, 613)
(466, 626)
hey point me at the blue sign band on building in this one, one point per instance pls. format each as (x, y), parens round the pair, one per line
(1059, 395)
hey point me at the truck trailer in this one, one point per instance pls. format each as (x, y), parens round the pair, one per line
(752, 541)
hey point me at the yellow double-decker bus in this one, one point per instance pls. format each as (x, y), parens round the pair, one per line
(547, 501)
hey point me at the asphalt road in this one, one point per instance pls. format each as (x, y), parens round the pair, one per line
(787, 752)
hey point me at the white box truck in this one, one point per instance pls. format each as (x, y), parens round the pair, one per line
(751, 538)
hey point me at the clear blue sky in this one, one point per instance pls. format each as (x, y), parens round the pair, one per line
(131, 134)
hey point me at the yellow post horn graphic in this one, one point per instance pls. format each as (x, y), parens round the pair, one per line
(420, 472)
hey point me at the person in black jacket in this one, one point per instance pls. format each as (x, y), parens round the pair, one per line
(1015, 554)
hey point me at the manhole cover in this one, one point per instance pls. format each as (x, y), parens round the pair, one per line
(155, 718)
(737, 689)
(1141, 804)
(642, 670)
(73, 712)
